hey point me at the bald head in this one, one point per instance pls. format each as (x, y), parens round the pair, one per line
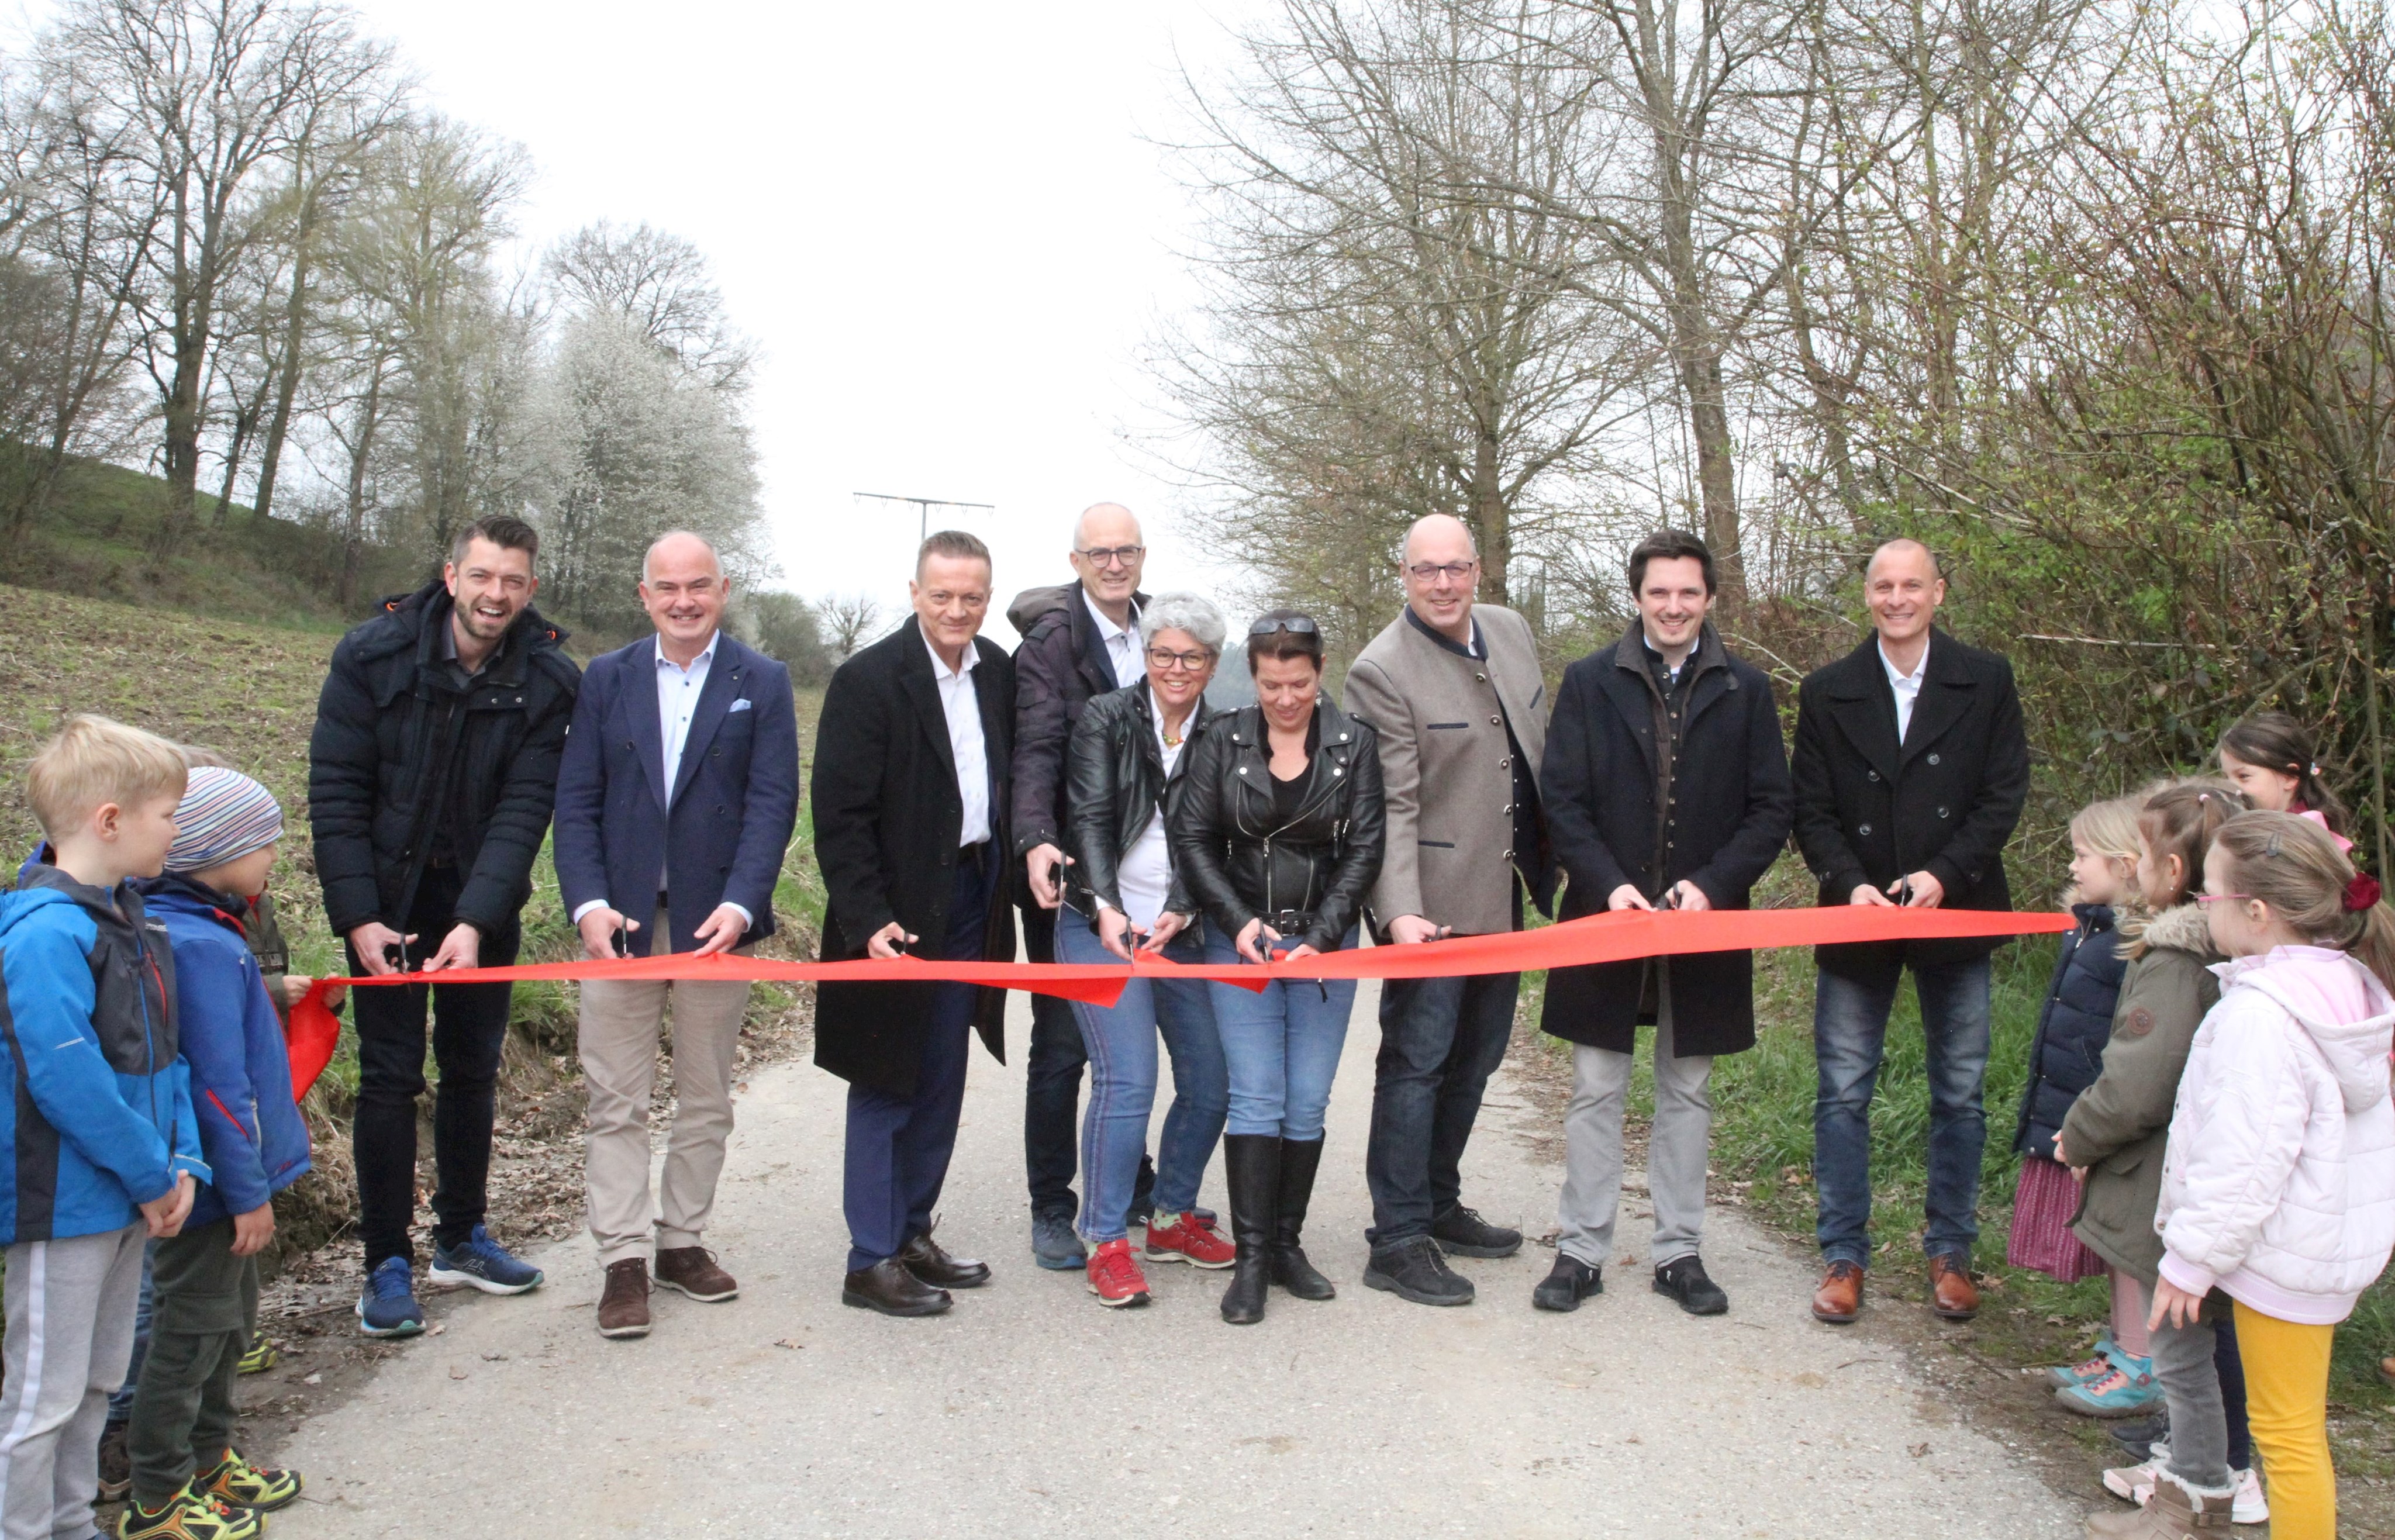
(679, 549)
(683, 589)
(1904, 552)
(1439, 537)
(1103, 525)
(1903, 591)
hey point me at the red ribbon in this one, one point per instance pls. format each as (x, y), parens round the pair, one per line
(1622, 936)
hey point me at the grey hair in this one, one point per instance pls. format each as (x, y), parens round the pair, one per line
(679, 534)
(1183, 612)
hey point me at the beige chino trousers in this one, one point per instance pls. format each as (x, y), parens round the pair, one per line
(618, 1045)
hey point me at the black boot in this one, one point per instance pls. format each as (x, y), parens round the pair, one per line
(1299, 1160)
(1253, 1162)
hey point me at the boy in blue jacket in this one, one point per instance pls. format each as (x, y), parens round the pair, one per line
(188, 1481)
(99, 1149)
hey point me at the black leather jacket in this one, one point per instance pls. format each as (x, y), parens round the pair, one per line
(1114, 783)
(1308, 877)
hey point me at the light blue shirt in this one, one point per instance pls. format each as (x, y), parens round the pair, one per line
(678, 693)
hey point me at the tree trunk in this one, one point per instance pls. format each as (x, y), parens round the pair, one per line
(354, 527)
(286, 382)
(1492, 524)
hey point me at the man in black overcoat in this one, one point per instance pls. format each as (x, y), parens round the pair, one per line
(909, 799)
(1912, 765)
(1665, 786)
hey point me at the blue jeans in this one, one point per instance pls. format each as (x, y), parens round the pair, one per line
(1281, 1046)
(1850, 1034)
(1121, 1043)
(1440, 1041)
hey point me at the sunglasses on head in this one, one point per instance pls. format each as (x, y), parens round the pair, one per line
(1296, 625)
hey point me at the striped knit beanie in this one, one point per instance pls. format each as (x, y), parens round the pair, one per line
(224, 816)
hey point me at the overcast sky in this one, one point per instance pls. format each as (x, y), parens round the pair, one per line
(942, 221)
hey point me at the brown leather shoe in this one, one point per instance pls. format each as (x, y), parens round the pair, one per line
(1951, 1293)
(693, 1270)
(624, 1303)
(924, 1258)
(1840, 1297)
(887, 1286)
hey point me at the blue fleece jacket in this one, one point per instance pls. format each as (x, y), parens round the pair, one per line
(250, 1128)
(95, 1102)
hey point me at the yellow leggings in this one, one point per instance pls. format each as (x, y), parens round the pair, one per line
(2286, 1404)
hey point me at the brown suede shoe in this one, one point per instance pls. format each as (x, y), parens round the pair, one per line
(693, 1270)
(624, 1303)
(1951, 1293)
(1840, 1297)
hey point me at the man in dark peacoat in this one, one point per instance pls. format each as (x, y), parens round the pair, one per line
(909, 804)
(1912, 765)
(1665, 784)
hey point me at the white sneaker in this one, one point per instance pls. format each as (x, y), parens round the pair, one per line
(2135, 1482)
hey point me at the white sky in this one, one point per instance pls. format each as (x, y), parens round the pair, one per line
(941, 220)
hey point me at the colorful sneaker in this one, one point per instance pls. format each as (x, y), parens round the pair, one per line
(2104, 1359)
(2128, 1392)
(482, 1263)
(387, 1305)
(1185, 1238)
(237, 1484)
(1115, 1277)
(262, 1355)
(187, 1516)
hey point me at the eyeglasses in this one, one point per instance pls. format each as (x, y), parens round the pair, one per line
(1168, 660)
(2219, 897)
(1113, 556)
(1454, 571)
(1296, 625)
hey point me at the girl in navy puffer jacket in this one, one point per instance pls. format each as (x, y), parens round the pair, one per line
(2066, 1058)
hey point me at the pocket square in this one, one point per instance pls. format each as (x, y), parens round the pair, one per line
(741, 704)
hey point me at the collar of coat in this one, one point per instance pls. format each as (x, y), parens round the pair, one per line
(2181, 928)
(420, 615)
(1632, 653)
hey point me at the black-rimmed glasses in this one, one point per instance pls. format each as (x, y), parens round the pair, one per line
(1113, 556)
(1188, 662)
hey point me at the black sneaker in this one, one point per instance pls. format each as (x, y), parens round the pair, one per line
(2137, 1435)
(1412, 1269)
(1684, 1279)
(1463, 1232)
(1571, 1282)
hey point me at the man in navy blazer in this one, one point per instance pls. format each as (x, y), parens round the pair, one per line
(675, 804)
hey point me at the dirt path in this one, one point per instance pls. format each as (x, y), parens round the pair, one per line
(1028, 1409)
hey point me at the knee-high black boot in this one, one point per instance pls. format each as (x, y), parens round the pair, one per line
(1252, 1162)
(1299, 1160)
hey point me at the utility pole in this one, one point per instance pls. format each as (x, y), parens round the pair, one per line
(923, 506)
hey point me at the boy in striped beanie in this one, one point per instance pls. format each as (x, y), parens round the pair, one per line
(189, 1482)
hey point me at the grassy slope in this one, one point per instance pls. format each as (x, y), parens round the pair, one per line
(249, 690)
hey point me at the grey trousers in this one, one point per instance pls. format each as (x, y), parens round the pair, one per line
(2198, 1426)
(617, 1040)
(70, 1335)
(1676, 1151)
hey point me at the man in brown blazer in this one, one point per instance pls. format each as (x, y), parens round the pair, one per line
(1454, 689)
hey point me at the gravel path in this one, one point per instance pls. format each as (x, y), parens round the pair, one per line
(1028, 1409)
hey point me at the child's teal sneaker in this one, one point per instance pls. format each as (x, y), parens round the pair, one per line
(2104, 1359)
(2129, 1390)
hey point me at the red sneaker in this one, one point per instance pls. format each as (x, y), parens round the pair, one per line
(1185, 1238)
(1115, 1277)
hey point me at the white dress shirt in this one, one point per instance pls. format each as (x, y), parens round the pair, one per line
(1907, 687)
(678, 691)
(1144, 877)
(1123, 642)
(963, 711)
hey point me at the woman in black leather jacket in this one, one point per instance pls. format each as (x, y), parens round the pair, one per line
(1278, 831)
(1121, 892)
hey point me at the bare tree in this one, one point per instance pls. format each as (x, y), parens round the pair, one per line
(849, 621)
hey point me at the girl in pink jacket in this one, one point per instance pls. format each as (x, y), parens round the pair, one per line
(2279, 1187)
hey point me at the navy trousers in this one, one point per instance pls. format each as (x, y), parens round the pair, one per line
(898, 1147)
